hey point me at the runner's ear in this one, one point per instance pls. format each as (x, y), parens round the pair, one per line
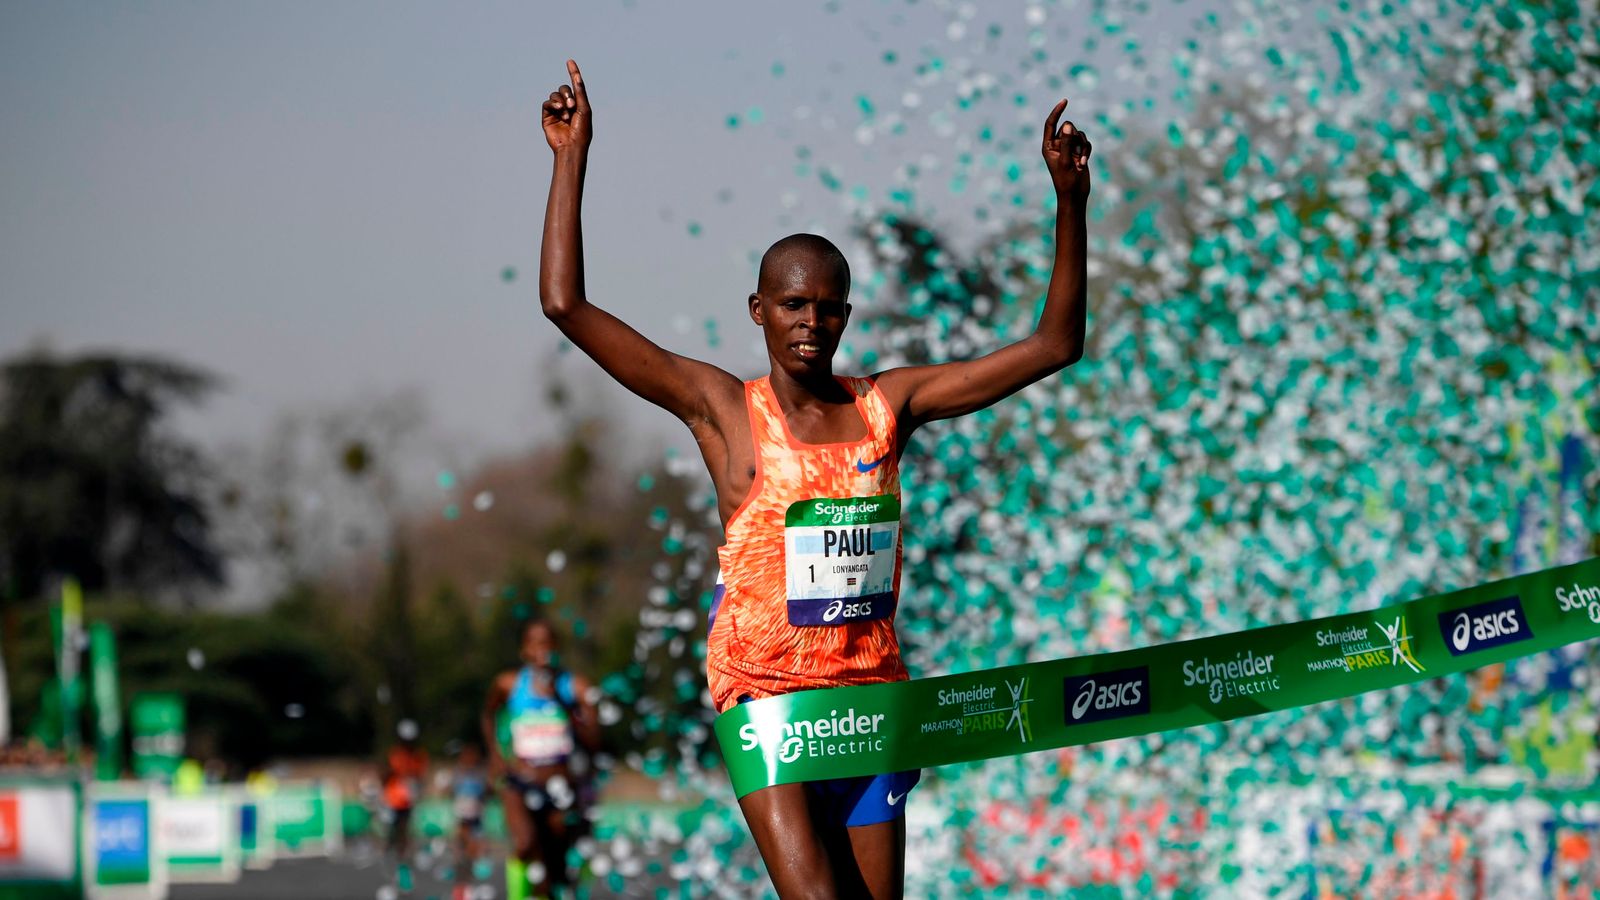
(755, 310)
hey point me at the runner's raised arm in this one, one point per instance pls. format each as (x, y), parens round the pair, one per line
(926, 393)
(675, 383)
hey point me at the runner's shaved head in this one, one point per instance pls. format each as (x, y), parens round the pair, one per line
(810, 253)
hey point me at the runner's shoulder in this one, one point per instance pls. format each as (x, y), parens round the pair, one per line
(896, 384)
(580, 686)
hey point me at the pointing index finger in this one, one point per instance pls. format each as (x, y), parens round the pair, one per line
(1054, 117)
(577, 83)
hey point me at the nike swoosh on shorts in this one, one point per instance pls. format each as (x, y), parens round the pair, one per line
(893, 800)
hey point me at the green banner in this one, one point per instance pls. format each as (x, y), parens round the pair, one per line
(301, 820)
(872, 729)
(66, 625)
(107, 702)
(158, 726)
(46, 726)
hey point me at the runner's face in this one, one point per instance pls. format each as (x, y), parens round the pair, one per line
(538, 645)
(802, 311)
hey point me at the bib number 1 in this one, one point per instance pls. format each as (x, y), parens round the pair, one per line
(840, 559)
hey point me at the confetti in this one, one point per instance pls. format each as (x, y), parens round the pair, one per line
(1344, 298)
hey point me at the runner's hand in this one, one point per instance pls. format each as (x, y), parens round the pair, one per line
(566, 116)
(1066, 154)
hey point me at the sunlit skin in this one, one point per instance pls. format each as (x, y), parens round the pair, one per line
(802, 311)
(801, 305)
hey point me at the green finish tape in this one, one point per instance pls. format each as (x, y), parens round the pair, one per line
(878, 728)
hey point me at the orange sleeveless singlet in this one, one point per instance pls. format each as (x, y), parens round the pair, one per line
(810, 571)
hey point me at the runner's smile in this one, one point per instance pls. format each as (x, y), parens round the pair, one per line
(807, 350)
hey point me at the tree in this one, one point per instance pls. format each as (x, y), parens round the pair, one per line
(393, 641)
(91, 484)
(256, 686)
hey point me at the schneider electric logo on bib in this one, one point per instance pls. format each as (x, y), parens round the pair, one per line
(830, 735)
(837, 513)
(1247, 673)
(1485, 625)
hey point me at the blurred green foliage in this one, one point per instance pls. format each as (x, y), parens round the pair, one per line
(92, 484)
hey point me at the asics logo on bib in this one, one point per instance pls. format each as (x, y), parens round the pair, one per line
(1106, 695)
(865, 467)
(1484, 625)
(1578, 597)
(839, 609)
(830, 735)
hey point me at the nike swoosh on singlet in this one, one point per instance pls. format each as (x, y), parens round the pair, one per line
(864, 468)
(893, 800)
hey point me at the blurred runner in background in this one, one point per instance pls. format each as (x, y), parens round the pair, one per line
(403, 771)
(535, 721)
(469, 788)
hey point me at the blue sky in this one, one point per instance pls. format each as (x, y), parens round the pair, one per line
(316, 201)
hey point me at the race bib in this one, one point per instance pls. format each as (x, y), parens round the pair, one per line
(839, 556)
(541, 738)
(468, 807)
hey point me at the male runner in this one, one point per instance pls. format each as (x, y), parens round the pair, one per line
(534, 720)
(784, 618)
